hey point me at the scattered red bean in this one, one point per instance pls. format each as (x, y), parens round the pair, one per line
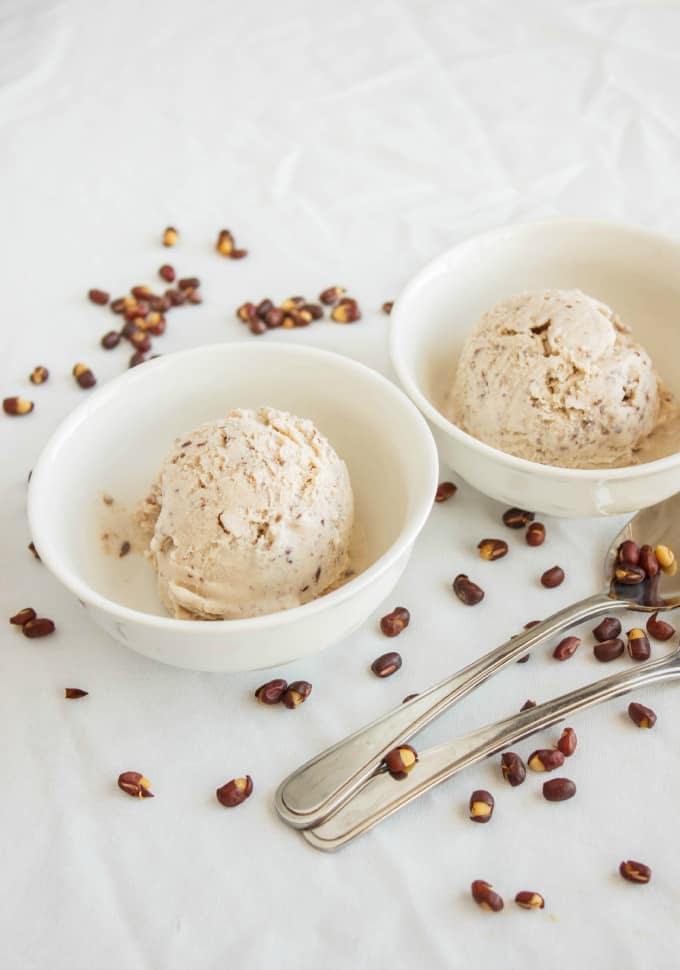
(84, 376)
(567, 742)
(272, 691)
(558, 789)
(39, 375)
(16, 407)
(635, 871)
(225, 243)
(331, 295)
(296, 693)
(445, 491)
(643, 716)
(400, 761)
(535, 534)
(346, 311)
(608, 650)
(167, 273)
(566, 648)
(629, 552)
(517, 518)
(386, 664)
(481, 806)
(134, 783)
(314, 310)
(141, 340)
(274, 318)
(638, 645)
(189, 283)
(529, 900)
(467, 592)
(492, 549)
(23, 616)
(40, 626)
(110, 340)
(393, 623)
(545, 759)
(552, 577)
(484, 896)
(175, 297)
(513, 768)
(629, 574)
(225, 246)
(608, 629)
(659, 629)
(648, 561)
(235, 791)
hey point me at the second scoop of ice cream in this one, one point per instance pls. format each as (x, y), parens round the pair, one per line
(555, 377)
(254, 515)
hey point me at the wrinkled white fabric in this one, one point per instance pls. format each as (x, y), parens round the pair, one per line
(342, 143)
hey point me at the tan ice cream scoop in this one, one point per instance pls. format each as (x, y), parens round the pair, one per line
(554, 376)
(250, 514)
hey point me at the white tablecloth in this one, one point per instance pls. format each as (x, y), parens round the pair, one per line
(343, 143)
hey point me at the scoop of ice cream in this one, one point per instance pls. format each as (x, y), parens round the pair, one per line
(253, 514)
(555, 377)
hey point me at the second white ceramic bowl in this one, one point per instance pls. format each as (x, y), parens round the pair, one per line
(115, 441)
(634, 271)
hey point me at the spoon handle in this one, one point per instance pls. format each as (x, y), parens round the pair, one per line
(381, 795)
(321, 785)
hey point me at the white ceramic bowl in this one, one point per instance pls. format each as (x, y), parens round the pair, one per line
(115, 441)
(635, 272)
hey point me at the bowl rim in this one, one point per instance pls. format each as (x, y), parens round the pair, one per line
(405, 373)
(73, 580)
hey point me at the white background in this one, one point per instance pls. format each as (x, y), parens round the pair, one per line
(342, 143)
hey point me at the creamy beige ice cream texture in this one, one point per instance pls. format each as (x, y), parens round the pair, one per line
(555, 377)
(250, 514)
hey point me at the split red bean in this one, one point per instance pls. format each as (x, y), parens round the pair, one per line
(643, 716)
(659, 629)
(467, 592)
(566, 648)
(567, 742)
(387, 664)
(393, 623)
(485, 896)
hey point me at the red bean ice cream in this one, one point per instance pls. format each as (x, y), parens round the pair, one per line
(250, 514)
(555, 377)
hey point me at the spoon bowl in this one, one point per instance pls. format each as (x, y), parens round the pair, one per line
(657, 525)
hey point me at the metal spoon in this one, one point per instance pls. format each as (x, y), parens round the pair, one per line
(326, 782)
(382, 796)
